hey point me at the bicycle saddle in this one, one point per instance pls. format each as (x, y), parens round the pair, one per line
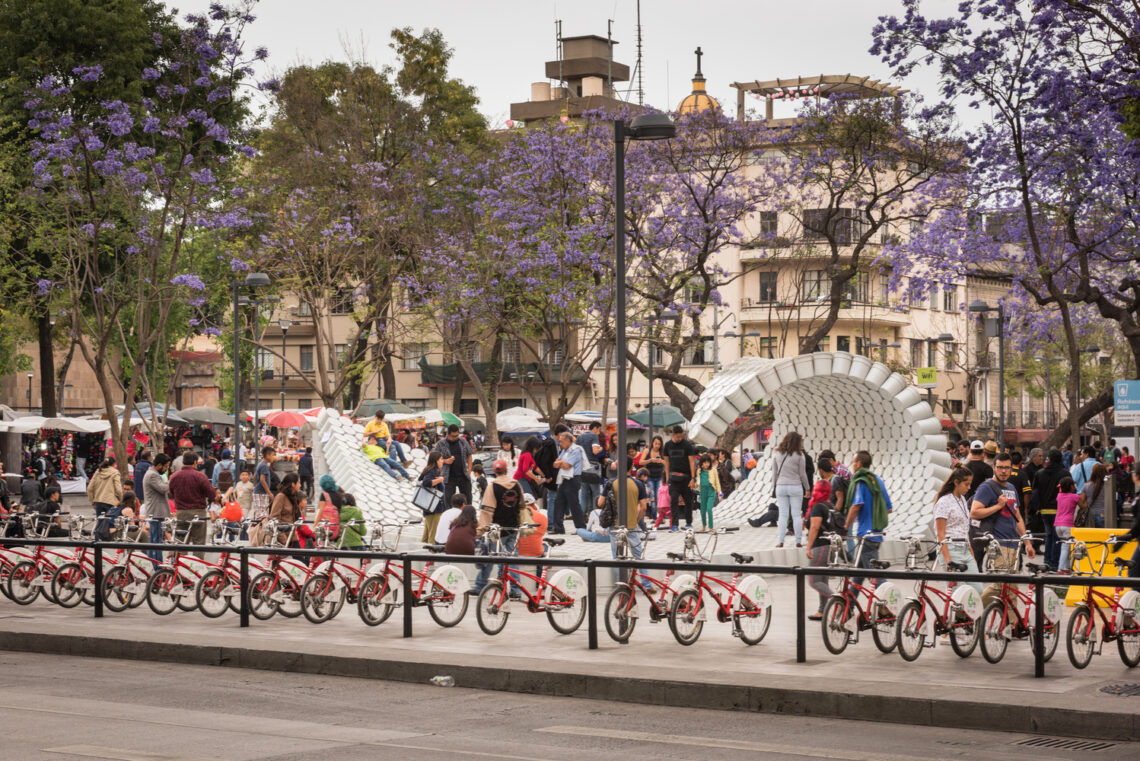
(741, 558)
(880, 564)
(674, 556)
(958, 567)
(433, 547)
(1036, 567)
(1122, 563)
(554, 541)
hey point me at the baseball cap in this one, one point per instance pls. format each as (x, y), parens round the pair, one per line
(976, 445)
(528, 498)
(500, 466)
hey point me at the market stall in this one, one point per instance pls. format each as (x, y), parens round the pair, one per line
(67, 449)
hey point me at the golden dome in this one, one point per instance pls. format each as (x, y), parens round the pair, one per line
(698, 100)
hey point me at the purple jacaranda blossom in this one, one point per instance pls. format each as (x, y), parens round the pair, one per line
(189, 281)
(43, 287)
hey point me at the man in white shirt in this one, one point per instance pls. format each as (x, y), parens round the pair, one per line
(449, 515)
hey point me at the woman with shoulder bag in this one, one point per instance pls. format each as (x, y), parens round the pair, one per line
(952, 520)
(432, 478)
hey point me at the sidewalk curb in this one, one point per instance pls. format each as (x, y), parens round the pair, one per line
(936, 712)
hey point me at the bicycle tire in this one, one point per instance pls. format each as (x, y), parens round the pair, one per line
(445, 602)
(262, 605)
(883, 629)
(491, 609)
(684, 619)
(1128, 642)
(621, 613)
(290, 605)
(22, 589)
(5, 571)
(909, 630)
(751, 616)
(376, 600)
(568, 612)
(210, 593)
(47, 572)
(159, 589)
(993, 641)
(65, 585)
(834, 625)
(1052, 637)
(1078, 637)
(964, 636)
(317, 598)
(115, 595)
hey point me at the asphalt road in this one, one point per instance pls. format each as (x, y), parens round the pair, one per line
(56, 708)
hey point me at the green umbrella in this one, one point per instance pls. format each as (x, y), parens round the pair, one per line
(664, 415)
(369, 407)
(432, 417)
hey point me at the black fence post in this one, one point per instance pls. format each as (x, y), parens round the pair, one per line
(98, 580)
(592, 603)
(1039, 630)
(407, 596)
(801, 616)
(243, 587)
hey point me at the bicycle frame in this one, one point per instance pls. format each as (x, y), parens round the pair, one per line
(1098, 601)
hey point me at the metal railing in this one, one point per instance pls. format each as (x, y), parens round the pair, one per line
(800, 573)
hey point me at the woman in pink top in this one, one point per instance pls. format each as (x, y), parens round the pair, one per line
(1067, 502)
(527, 473)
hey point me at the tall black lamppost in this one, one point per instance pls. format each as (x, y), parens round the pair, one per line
(661, 317)
(930, 363)
(252, 280)
(980, 307)
(284, 325)
(30, 376)
(644, 127)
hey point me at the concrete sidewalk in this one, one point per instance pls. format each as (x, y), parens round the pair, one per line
(719, 671)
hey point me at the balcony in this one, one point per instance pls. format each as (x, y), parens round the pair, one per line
(533, 372)
(755, 310)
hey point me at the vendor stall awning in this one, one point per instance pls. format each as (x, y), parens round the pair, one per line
(33, 423)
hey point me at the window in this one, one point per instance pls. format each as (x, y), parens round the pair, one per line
(954, 406)
(824, 344)
(468, 406)
(843, 343)
(512, 351)
(412, 354)
(415, 404)
(341, 302)
(767, 287)
(304, 309)
(694, 290)
(657, 354)
(934, 303)
(305, 403)
(917, 356)
(771, 156)
(265, 360)
(307, 358)
(336, 355)
(843, 224)
(950, 355)
(950, 299)
(915, 228)
(553, 352)
(700, 352)
(815, 286)
(609, 354)
(856, 289)
(768, 224)
(767, 346)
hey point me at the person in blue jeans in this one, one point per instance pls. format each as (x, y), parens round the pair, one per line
(157, 503)
(870, 507)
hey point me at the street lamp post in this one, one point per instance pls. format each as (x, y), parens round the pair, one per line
(930, 362)
(284, 325)
(644, 127)
(668, 314)
(980, 307)
(252, 280)
(742, 336)
(30, 376)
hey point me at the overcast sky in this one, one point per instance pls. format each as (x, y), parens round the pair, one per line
(501, 45)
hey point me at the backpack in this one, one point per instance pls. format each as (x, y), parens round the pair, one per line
(225, 477)
(329, 513)
(508, 500)
(608, 514)
(835, 522)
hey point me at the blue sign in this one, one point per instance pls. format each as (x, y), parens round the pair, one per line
(1126, 402)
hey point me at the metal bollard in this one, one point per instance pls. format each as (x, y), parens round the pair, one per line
(1039, 630)
(407, 596)
(801, 616)
(592, 603)
(98, 580)
(243, 587)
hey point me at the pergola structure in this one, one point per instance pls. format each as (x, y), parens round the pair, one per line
(820, 86)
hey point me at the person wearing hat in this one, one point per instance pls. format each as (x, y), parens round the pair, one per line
(978, 467)
(990, 451)
(531, 544)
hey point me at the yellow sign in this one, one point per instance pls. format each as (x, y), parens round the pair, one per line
(1092, 564)
(927, 377)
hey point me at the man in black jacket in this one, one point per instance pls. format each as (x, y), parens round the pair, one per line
(1044, 496)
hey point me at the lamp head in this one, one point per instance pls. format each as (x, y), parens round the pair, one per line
(894, 345)
(1093, 349)
(944, 337)
(651, 127)
(752, 333)
(667, 314)
(977, 305)
(730, 334)
(256, 280)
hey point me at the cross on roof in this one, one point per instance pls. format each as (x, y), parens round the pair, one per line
(699, 54)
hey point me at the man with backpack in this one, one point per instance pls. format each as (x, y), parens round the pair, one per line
(995, 511)
(225, 473)
(636, 503)
(870, 509)
(500, 505)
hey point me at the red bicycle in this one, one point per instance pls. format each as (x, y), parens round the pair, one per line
(856, 607)
(1121, 622)
(935, 611)
(621, 607)
(1012, 615)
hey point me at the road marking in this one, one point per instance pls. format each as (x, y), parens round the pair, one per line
(119, 754)
(757, 747)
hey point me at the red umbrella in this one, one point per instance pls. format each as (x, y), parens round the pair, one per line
(286, 419)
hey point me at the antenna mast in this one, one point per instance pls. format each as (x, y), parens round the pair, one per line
(640, 90)
(610, 62)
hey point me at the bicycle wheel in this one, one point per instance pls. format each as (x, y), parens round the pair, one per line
(491, 608)
(1052, 636)
(564, 611)
(318, 598)
(1079, 637)
(883, 628)
(183, 592)
(5, 571)
(752, 622)
(376, 601)
(909, 630)
(115, 594)
(447, 608)
(1128, 641)
(66, 585)
(22, 587)
(161, 591)
(289, 590)
(835, 616)
(992, 632)
(686, 620)
(621, 613)
(211, 592)
(964, 636)
(264, 596)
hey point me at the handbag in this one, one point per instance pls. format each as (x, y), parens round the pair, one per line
(427, 499)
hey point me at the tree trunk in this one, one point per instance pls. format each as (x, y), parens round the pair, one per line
(1090, 409)
(47, 364)
(457, 392)
(61, 383)
(734, 435)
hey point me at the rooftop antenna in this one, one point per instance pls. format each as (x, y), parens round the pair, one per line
(610, 62)
(640, 90)
(558, 45)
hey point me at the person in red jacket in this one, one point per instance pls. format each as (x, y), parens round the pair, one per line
(191, 492)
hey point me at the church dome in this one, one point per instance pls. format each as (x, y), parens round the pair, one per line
(698, 100)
